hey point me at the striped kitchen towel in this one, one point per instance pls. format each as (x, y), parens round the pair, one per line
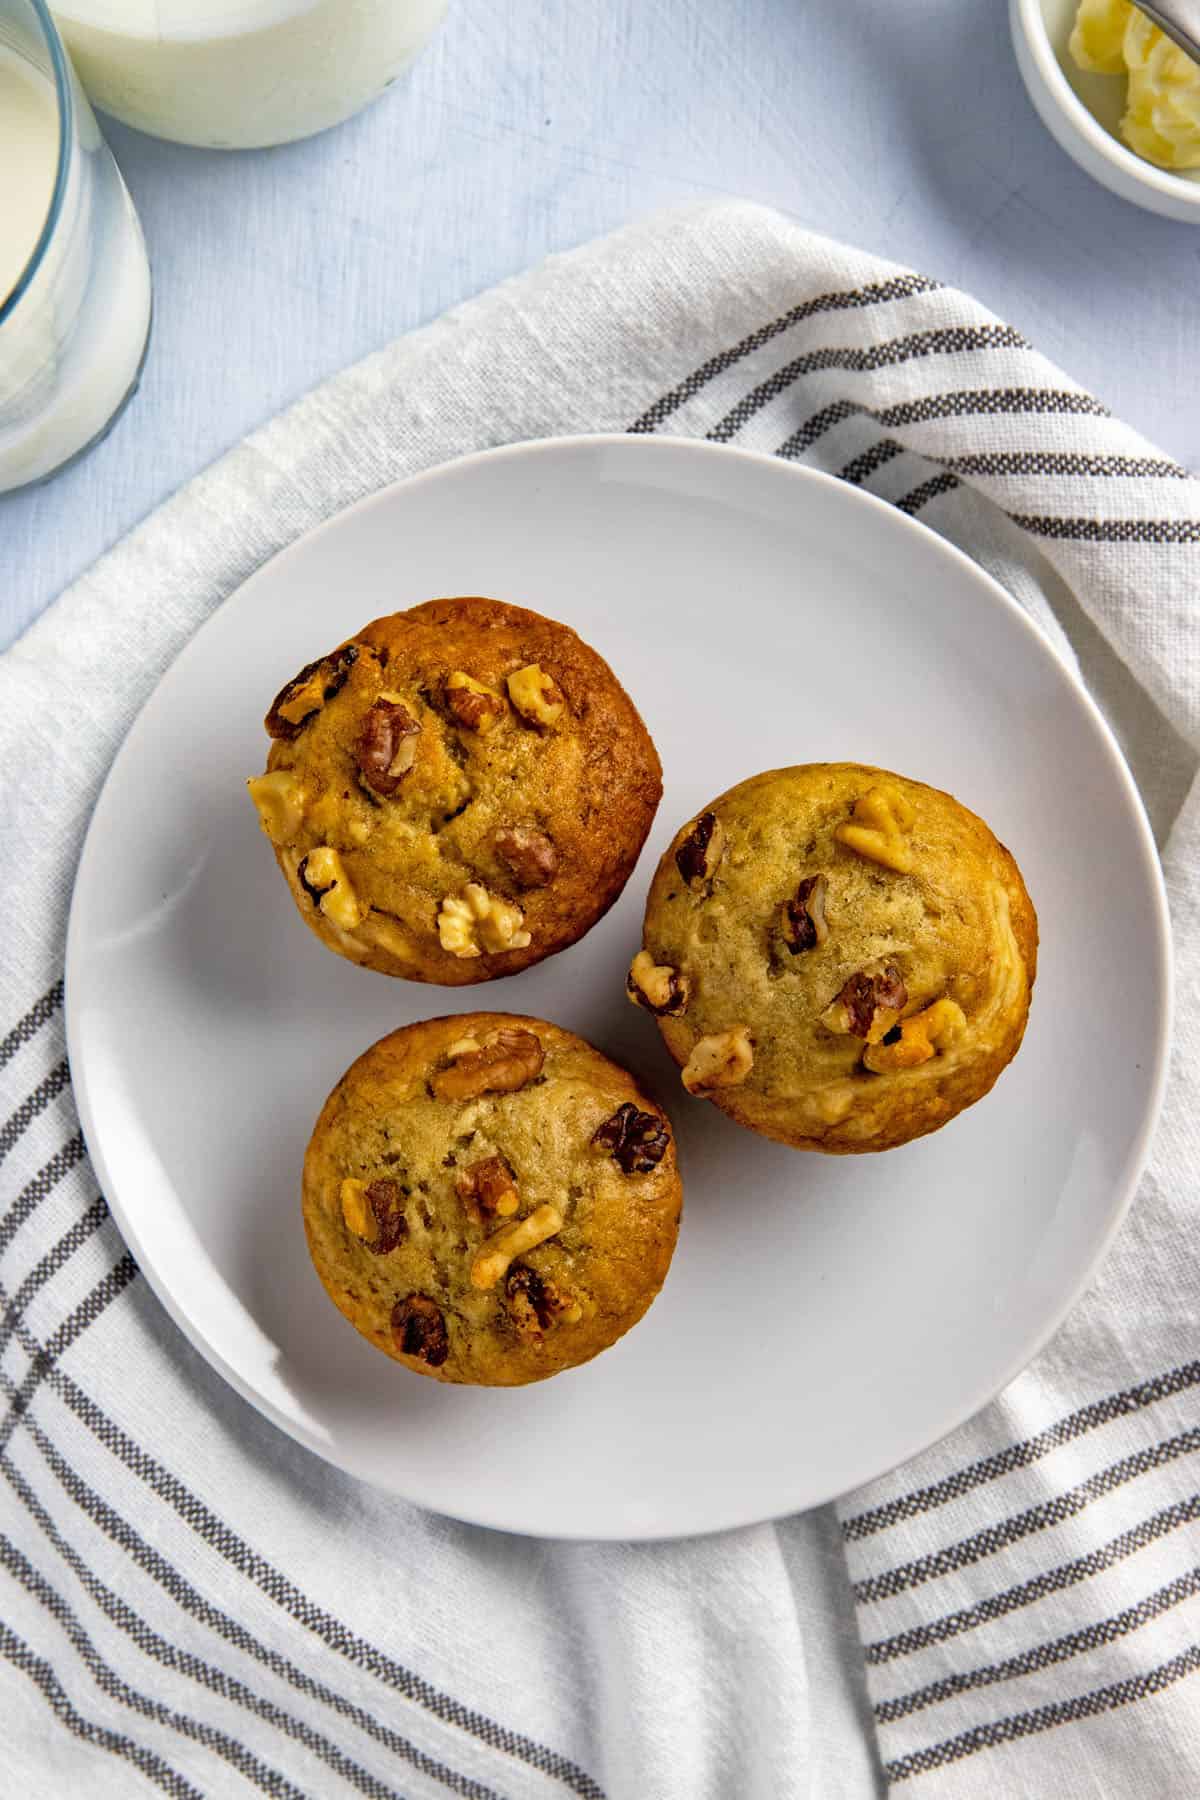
(189, 1601)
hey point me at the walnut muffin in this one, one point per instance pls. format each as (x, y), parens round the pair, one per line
(488, 1199)
(457, 791)
(838, 957)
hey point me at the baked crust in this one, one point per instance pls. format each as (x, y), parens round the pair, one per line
(953, 922)
(545, 821)
(449, 1158)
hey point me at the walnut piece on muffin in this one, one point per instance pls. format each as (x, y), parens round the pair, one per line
(457, 792)
(488, 1199)
(838, 957)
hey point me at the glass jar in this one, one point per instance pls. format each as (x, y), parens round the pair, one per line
(74, 281)
(241, 74)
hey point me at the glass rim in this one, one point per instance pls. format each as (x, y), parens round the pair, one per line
(64, 97)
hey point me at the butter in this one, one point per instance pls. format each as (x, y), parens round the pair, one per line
(1162, 111)
(1098, 40)
(1162, 115)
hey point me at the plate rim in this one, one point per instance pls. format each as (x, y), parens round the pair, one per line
(656, 443)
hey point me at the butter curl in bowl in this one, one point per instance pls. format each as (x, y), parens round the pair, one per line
(837, 957)
(1119, 97)
(1161, 120)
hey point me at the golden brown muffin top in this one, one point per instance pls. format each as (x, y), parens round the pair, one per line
(458, 791)
(489, 1199)
(851, 954)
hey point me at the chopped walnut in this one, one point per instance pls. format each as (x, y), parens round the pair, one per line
(492, 1259)
(306, 693)
(374, 1212)
(358, 1218)
(537, 696)
(475, 921)
(474, 706)
(636, 1141)
(701, 850)
(279, 801)
(658, 987)
(418, 1329)
(882, 819)
(488, 1190)
(721, 1060)
(504, 1062)
(456, 928)
(387, 744)
(527, 854)
(535, 1303)
(310, 887)
(327, 885)
(805, 926)
(919, 1039)
(869, 1004)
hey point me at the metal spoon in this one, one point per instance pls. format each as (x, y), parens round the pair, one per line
(1177, 19)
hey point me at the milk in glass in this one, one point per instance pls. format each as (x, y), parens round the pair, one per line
(74, 281)
(236, 74)
(28, 162)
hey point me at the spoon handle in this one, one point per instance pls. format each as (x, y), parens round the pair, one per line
(1179, 20)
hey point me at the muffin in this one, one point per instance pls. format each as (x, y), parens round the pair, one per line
(838, 957)
(489, 1199)
(457, 791)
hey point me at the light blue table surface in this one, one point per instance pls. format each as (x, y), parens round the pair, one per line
(531, 125)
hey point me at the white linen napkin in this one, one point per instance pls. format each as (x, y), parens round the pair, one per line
(190, 1601)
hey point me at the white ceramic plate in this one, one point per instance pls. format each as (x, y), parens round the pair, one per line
(825, 1317)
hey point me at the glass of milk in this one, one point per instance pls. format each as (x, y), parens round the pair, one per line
(74, 281)
(241, 74)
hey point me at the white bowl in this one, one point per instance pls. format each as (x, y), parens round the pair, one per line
(1083, 111)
